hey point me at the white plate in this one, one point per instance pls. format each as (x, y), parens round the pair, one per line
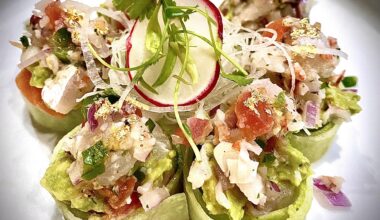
(24, 151)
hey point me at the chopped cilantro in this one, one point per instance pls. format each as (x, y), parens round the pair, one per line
(350, 81)
(238, 77)
(62, 43)
(269, 159)
(24, 41)
(150, 124)
(187, 129)
(261, 143)
(136, 9)
(93, 159)
(280, 102)
(324, 85)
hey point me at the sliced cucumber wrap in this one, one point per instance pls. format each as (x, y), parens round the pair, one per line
(57, 182)
(297, 210)
(52, 123)
(172, 208)
(314, 146)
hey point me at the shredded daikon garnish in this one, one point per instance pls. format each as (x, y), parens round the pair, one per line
(92, 70)
(242, 44)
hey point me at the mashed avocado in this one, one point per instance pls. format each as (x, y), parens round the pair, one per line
(57, 182)
(344, 100)
(156, 167)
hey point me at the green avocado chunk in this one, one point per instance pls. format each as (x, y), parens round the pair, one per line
(39, 76)
(344, 100)
(62, 43)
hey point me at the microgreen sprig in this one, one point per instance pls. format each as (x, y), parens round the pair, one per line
(176, 94)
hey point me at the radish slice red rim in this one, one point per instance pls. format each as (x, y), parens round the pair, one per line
(203, 55)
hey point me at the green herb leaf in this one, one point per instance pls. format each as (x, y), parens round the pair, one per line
(93, 159)
(190, 67)
(139, 174)
(24, 41)
(147, 86)
(344, 100)
(187, 129)
(93, 172)
(350, 81)
(150, 124)
(280, 102)
(182, 80)
(261, 143)
(111, 95)
(173, 12)
(136, 8)
(167, 68)
(62, 44)
(238, 77)
(324, 85)
(153, 35)
(269, 159)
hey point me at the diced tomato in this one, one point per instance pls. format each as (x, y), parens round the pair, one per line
(178, 132)
(54, 12)
(212, 112)
(116, 197)
(200, 129)
(236, 145)
(230, 118)
(34, 20)
(128, 208)
(333, 42)
(283, 32)
(119, 26)
(128, 109)
(250, 123)
(33, 94)
(221, 132)
(236, 135)
(125, 187)
(271, 144)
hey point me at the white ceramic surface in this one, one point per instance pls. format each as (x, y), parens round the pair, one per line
(24, 151)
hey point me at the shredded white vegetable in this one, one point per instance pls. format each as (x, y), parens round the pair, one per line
(92, 70)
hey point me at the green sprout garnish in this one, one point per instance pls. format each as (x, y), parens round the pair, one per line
(175, 41)
(176, 94)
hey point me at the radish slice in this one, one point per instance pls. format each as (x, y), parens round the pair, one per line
(203, 56)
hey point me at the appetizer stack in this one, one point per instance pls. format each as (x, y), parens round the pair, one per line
(173, 111)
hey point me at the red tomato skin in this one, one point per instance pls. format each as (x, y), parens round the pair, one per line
(54, 12)
(251, 124)
(283, 32)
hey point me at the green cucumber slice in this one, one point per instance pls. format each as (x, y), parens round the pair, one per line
(315, 145)
(45, 121)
